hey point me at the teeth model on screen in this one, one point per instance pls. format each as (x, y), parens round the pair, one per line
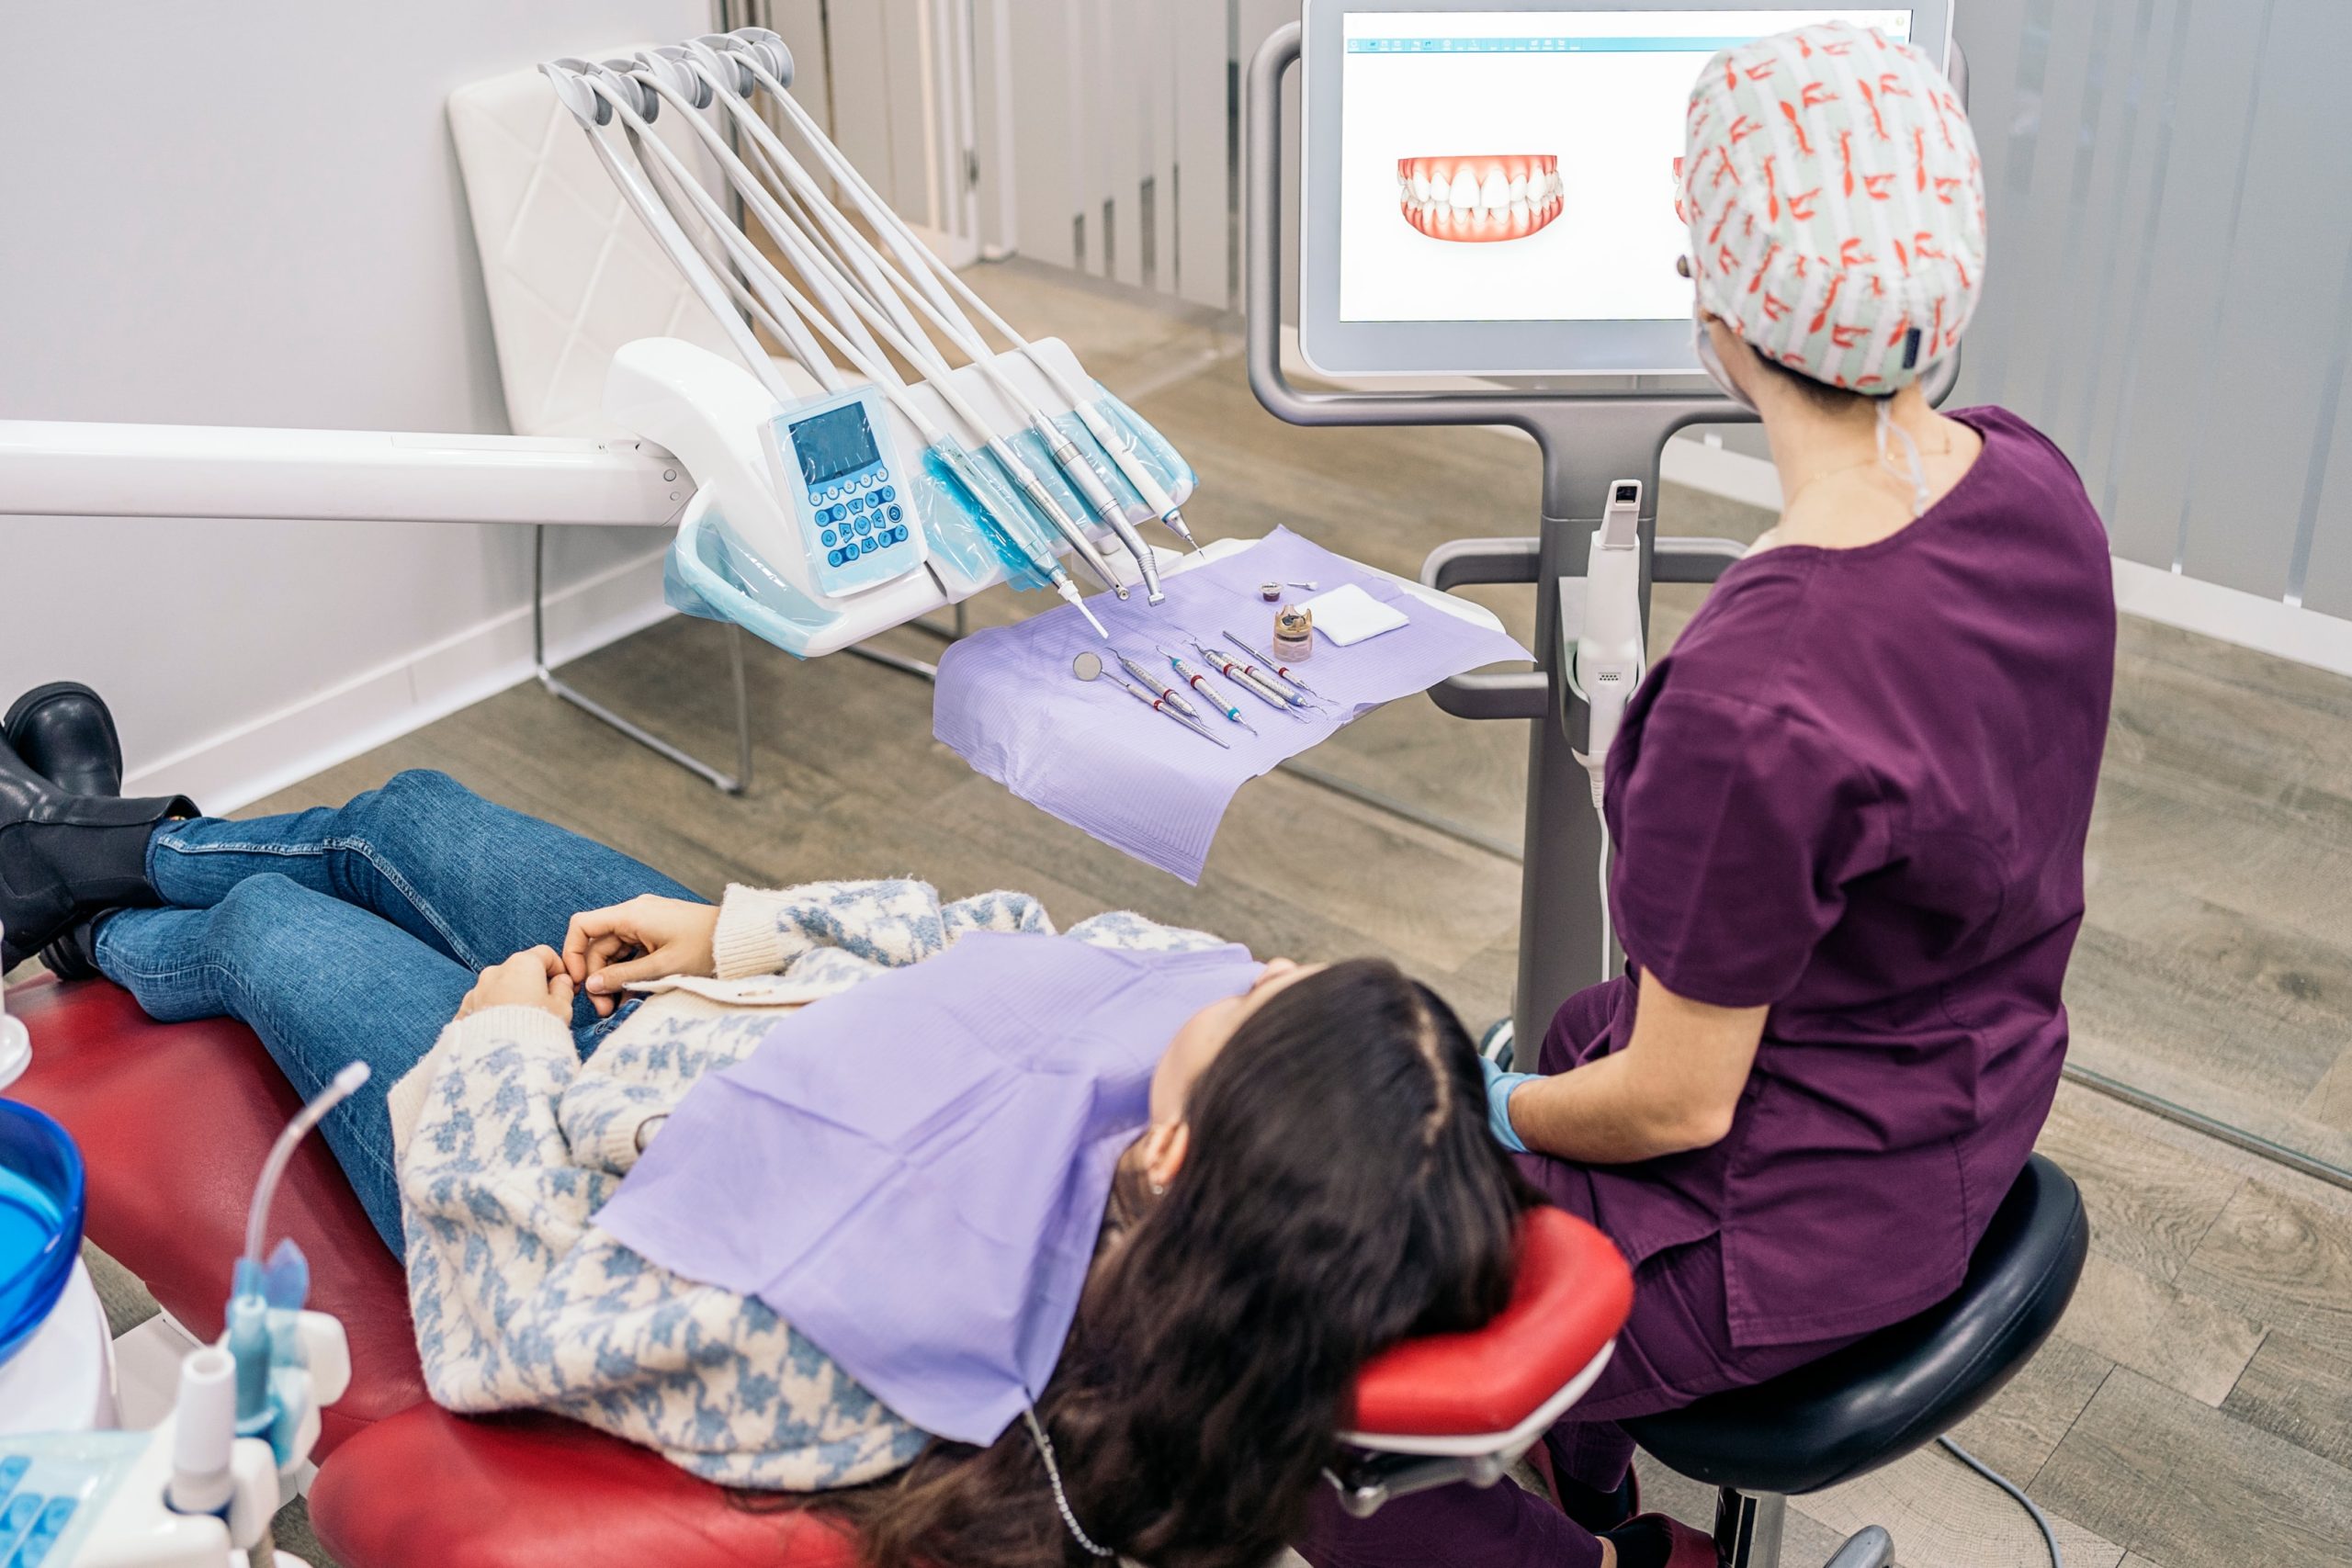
(1479, 200)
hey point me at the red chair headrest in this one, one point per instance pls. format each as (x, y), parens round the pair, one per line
(1568, 1298)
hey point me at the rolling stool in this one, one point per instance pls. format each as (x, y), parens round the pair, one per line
(1882, 1397)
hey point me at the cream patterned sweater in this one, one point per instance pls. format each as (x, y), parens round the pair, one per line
(509, 1144)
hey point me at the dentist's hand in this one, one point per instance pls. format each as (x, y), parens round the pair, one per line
(533, 979)
(648, 938)
(1499, 1087)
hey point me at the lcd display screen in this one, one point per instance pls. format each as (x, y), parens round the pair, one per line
(832, 444)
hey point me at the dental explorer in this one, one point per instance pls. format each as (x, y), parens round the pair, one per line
(930, 272)
(1089, 667)
(1281, 671)
(1244, 678)
(1154, 684)
(1200, 683)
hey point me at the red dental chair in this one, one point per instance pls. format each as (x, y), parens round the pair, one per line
(174, 1119)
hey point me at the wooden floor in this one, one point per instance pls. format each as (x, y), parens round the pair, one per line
(2196, 1407)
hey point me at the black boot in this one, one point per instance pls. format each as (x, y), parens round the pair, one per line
(64, 731)
(64, 858)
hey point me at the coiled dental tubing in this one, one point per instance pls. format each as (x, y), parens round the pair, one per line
(1089, 667)
(784, 301)
(885, 286)
(930, 272)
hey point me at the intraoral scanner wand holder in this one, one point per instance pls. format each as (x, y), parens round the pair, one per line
(1591, 433)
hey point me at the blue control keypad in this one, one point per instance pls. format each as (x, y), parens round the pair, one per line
(29, 1523)
(857, 517)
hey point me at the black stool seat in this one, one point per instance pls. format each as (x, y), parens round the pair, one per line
(1881, 1397)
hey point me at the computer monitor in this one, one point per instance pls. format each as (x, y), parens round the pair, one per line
(1489, 187)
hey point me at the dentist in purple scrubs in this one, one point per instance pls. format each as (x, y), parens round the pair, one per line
(1849, 811)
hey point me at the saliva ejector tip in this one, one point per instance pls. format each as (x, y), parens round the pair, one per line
(1068, 590)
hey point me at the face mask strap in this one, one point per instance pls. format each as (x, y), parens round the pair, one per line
(1713, 362)
(1917, 477)
(1054, 1475)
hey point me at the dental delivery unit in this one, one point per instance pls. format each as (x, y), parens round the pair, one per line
(833, 497)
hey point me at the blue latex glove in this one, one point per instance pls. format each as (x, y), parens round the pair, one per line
(1499, 1088)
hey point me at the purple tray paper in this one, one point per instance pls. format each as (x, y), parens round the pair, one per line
(1107, 765)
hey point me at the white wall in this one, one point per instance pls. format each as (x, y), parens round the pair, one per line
(248, 212)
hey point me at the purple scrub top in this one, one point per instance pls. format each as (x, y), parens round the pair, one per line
(1858, 790)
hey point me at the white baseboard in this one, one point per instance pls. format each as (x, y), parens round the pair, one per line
(2267, 625)
(265, 754)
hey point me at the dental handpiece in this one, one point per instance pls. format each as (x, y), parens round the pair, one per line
(1154, 494)
(1281, 671)
(1026, 481)
(1200, 683)
(1244, 678)
(1154, 682)
(1098, 496)
(928, 272)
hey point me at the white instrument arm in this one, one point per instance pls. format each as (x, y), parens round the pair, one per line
(61, 468)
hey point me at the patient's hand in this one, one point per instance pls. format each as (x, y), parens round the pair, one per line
(534, 979)
(648, 938)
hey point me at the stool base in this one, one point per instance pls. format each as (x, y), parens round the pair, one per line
(1748, 1526)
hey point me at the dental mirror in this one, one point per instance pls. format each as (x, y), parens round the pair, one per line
(1087, 666)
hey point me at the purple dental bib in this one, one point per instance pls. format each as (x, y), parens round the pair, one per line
(913, 1173)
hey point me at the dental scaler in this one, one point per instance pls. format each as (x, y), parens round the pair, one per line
(1200, 683)
(1089, 667)
(1248, 679)
(1281, 671)
(1152, 682)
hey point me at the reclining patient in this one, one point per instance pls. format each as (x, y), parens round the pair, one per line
(1309, 1176)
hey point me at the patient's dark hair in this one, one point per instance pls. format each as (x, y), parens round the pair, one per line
(1343, 1193)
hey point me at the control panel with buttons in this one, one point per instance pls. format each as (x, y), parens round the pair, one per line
(835, 458)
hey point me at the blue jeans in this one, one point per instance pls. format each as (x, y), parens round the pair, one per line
(351, 933)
